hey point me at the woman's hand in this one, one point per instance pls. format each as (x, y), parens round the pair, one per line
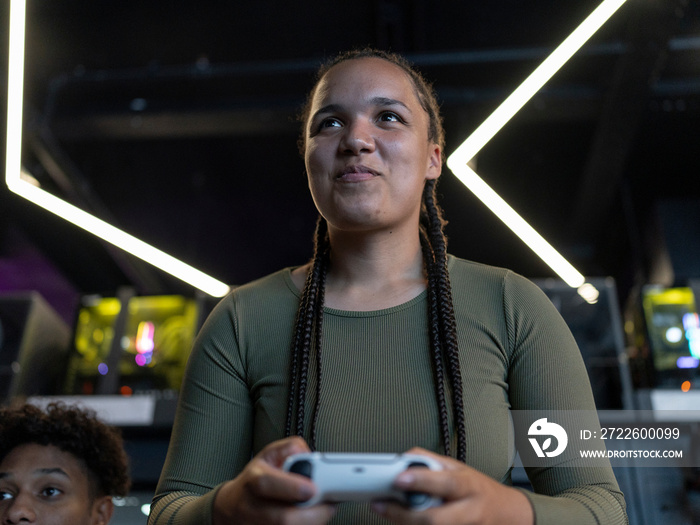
(264, 494)
(469, 497)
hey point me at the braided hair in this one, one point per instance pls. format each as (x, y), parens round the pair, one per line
(307, 340)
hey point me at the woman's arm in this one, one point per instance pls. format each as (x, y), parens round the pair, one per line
(546, 372)
(209, 476)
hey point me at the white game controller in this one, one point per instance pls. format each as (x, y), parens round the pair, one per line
(360, 477)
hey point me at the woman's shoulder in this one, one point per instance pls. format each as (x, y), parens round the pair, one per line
(485, 279)
(273, 282)
(464, 271)
(270, 289)
(263, 298)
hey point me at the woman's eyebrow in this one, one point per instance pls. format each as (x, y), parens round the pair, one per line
(330, 108)
(385, 101)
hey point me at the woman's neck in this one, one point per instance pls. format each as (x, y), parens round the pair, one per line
(372, 271)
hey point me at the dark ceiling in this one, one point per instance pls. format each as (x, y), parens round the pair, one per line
(175, 121)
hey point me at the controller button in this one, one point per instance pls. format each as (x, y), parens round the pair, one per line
(416, 499)
(303, 467)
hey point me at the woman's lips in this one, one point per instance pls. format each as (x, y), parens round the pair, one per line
(357, 174)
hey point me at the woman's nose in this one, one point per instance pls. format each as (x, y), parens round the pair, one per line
(357, 138)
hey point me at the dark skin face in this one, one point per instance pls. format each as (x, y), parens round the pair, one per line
(45, 485)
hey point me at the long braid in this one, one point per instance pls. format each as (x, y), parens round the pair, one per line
(318, 341)
(435, 344)
(445, 311)
(308, 329)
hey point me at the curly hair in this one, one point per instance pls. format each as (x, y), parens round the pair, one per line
(76, 431)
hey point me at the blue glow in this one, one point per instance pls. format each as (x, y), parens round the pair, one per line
(694, 346)
(102, 369)
(687, 361)
(691, 320)
(691, 323)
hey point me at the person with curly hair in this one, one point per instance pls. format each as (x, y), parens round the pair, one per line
(59, 466)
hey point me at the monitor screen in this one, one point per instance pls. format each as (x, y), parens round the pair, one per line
(673, 331)
(133, 346)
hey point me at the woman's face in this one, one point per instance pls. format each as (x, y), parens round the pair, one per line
(367, 149)
(43, 484)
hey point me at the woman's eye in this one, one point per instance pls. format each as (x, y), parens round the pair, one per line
(330, 123)
(390, 116)
(5, 495)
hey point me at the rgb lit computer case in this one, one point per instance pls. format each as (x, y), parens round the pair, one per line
(131, 344)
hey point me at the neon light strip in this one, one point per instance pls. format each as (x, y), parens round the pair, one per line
(119, 238)
(457, 162)
(15, 87)
(532, 84)
(519, 226)
(20, 184)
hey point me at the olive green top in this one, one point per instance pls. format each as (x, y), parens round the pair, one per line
(378, 393)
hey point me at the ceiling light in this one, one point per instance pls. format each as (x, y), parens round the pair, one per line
(22, 183)
(457, 162)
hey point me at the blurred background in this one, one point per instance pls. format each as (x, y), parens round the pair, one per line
(176, 122)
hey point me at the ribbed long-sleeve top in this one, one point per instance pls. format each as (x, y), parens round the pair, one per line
(378, 392)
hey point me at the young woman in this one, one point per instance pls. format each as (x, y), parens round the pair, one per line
(382, 343)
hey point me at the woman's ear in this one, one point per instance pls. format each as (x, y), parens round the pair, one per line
(434, 162)
(102, 510)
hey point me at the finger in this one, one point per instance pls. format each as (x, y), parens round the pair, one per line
(276, 452)
(447, 463)
(270, 483)
(447, 484)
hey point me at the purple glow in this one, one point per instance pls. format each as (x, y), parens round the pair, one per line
(143, 359)
(102, 369)
(687, 361)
